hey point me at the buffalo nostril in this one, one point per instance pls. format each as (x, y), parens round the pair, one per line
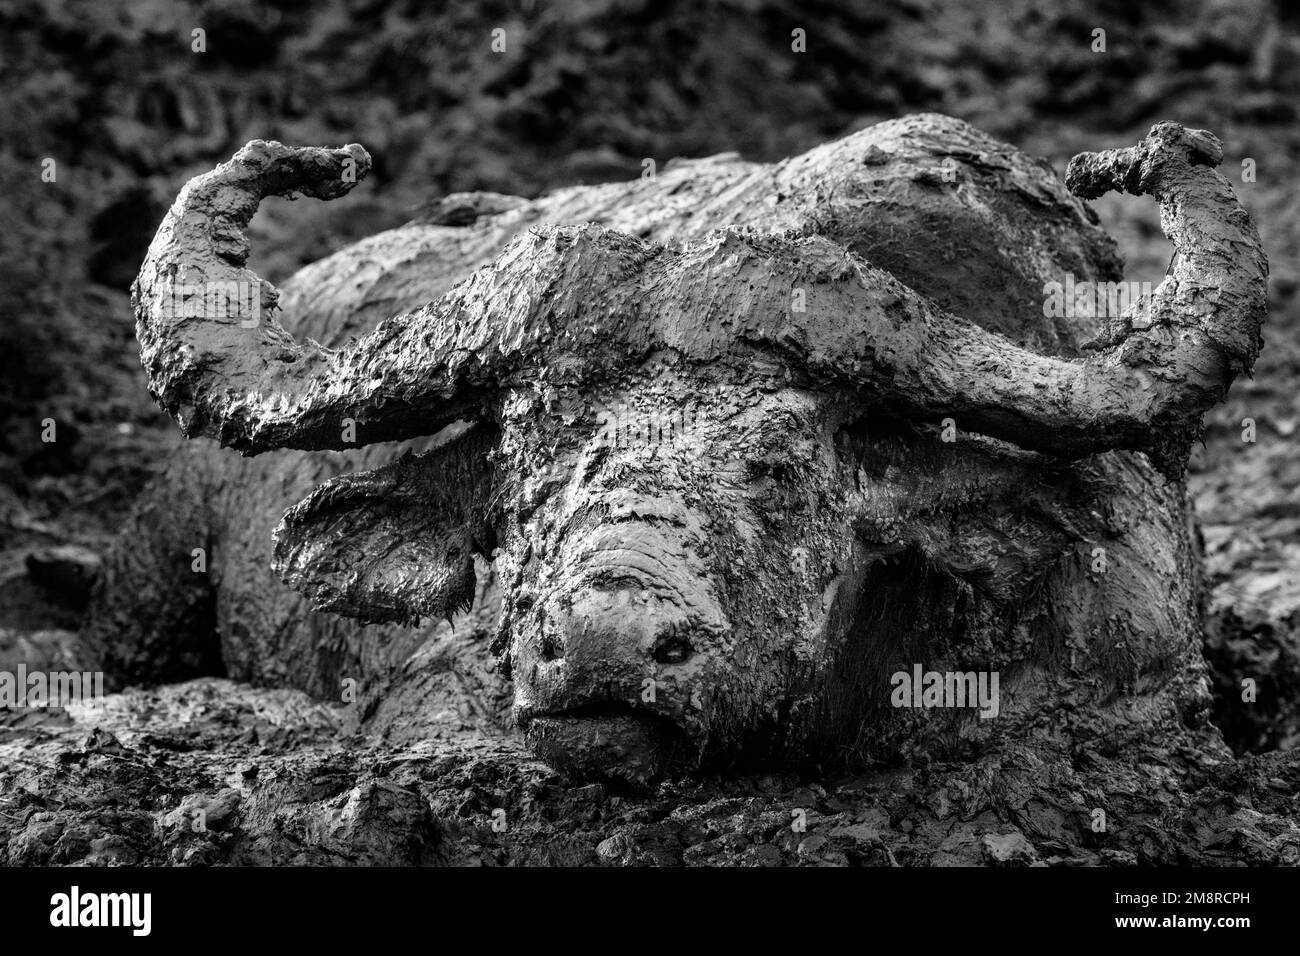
(550, 651)
(673, 650)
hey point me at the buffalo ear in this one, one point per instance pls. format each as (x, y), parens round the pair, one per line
(395, 544)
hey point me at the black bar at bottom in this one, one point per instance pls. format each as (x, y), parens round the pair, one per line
(296, 905)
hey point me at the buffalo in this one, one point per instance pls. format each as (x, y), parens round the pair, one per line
(707, 457)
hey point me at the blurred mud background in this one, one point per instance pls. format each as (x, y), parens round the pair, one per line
(585, 91)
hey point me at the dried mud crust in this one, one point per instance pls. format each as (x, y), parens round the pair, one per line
(274, 780)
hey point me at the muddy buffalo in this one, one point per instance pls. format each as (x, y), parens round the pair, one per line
(716, 454)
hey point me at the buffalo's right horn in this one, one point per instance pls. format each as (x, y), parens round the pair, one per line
(222, 366)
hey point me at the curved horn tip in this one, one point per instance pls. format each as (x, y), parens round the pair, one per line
(317, 171)
(1138, 169)
(1092, 175)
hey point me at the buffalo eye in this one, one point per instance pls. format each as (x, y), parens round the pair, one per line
(775, 489)
(673, 649)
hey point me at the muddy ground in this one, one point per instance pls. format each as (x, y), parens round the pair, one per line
(114, 95)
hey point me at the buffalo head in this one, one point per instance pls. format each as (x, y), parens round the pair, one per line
(703, 467)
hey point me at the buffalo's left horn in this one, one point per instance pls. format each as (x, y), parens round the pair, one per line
(1147, 384)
